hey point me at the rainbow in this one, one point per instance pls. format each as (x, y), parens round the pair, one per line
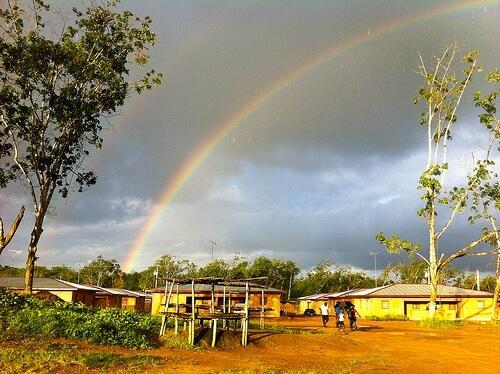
(233, 122)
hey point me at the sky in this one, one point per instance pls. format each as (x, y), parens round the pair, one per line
(294, 125)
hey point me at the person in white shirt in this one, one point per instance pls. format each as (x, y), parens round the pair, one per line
(324, 313)
(340, 321)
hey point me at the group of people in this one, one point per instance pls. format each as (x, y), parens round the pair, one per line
(341, 312)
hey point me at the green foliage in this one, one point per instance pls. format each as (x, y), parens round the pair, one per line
(22, 316)
(388, 317)
(328, 277)
(439, 323)
(54, 357)
(101, 272)
(396, 245)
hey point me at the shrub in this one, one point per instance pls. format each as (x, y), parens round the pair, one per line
(439, 323)
(26, 317)
(389, 317)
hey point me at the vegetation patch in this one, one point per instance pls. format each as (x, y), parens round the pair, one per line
(440, 323)
(390, 317)
(28, 317)
(60, 358)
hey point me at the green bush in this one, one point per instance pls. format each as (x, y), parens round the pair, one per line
(439, 323)
(28, 317)
(389, 317)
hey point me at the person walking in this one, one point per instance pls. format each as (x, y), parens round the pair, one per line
(340, 322)
(324, 314)
(352, 317)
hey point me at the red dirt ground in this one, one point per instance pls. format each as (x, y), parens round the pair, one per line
(377, 347)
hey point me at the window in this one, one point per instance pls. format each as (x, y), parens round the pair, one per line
(452, 306)
(416, 306)
(385, 304)
(480, 304)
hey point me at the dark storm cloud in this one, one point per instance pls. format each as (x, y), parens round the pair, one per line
(312, 173)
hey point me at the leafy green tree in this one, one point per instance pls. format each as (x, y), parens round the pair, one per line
(100, 272)
(216, 268)
(8, 271)
(55, 92)
(63, 272)
(166, 267)
(441, 94)
(326, 277)
(486, 192)
(280, 273)
(131, 281)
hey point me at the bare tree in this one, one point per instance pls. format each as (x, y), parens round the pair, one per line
(441, 93)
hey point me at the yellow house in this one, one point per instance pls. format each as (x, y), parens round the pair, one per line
(268, 297)
(67, 291)
(315, 301)
(410, 301)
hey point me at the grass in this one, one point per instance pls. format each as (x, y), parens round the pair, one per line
(391, 317)
(26, 358)
(279, 329)
(266, 371)
(439, 323)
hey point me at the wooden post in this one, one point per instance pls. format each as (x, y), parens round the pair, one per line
(167, 302)
(261, 324)
(224, 321)
(244, 332)
(193, 313)
(177, 309)
(214, 332)
(212, 307)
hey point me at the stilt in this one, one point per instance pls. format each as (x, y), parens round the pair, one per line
(193, 313)
(176, 322)
(224, 321)
(261, 324)
(214, 332)
(245, 320)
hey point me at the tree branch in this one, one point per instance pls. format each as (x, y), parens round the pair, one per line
(5, 240)
(465, 250)
(18, 163)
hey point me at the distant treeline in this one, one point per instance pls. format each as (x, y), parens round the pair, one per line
(283, 274)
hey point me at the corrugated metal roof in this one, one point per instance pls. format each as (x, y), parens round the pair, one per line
(17, 283)
(186, 288)
(318, 296)
(78, 286)
(418, 290)
(139, 294)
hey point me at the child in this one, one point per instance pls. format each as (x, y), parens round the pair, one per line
(340, 322)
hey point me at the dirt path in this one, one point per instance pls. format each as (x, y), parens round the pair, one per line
(377, 347)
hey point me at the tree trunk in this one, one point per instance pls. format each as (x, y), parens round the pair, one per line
(32, 248)
(497, 289)
(433, 266)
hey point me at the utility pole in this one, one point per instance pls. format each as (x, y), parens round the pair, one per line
(157, 271)
(214, 244)
(375, 254)
(15, 252)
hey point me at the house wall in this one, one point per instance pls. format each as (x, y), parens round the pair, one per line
(314, 304)
(472, 309)
(475, 309)
(84, 297)
(129, 303)
(65, 295)
(379, 307)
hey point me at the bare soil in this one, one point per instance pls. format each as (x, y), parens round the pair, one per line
(376, 347)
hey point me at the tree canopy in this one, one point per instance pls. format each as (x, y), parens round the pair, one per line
(57, 90)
